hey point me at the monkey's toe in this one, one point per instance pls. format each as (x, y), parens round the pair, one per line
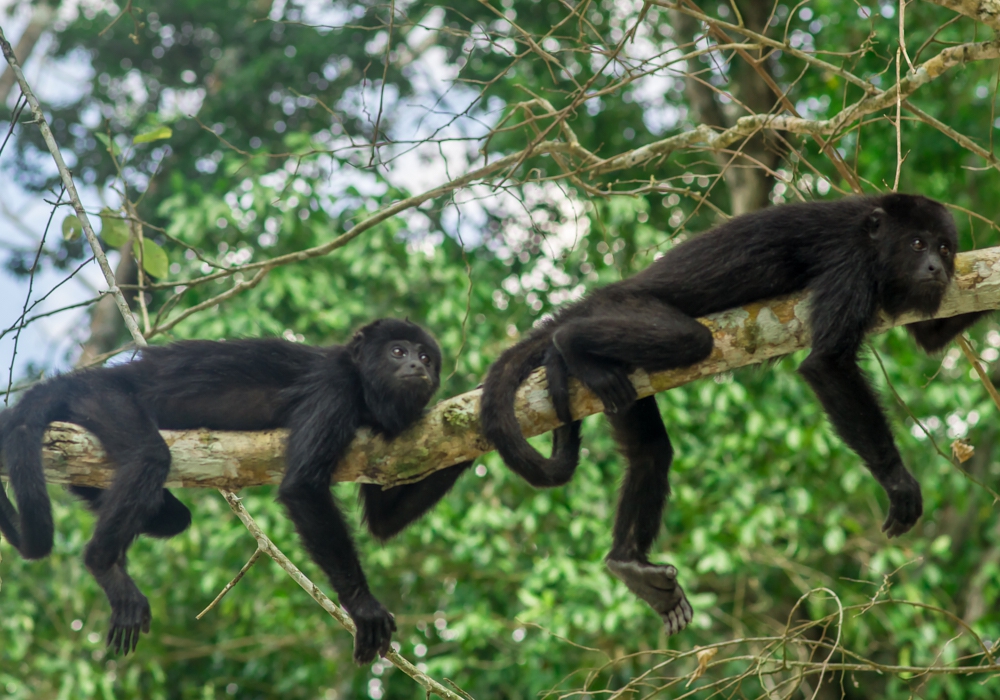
(375, 626)
(658, 587)
(128, 620)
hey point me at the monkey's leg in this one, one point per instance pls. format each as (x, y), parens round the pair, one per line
(388, 511)
(601, 350)
(854, 411)
(134, 444)
(171, 519)
(643, 440)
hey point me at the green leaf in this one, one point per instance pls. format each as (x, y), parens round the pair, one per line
(109, 144)
(157, 134)
(114, 230)
(154, 258)
(72, 228)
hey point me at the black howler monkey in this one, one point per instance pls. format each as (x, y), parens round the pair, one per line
(383, 379)
(855, 255)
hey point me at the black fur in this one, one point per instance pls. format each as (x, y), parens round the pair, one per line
(856, 255)
(382, 379)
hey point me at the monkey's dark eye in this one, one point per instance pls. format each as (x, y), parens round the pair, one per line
(919, 245)
(425, 358)
(944, 251)
(398, 351)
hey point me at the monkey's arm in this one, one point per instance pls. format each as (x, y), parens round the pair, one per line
(388, 511)
(841, 313)
(934, 334)
(322, 425)
(854, 411)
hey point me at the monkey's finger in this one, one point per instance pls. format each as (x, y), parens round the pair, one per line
(893, 527)
(383, 647)
(363, 652)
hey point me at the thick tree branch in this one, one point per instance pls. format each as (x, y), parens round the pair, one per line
(985, 11)
(449, 433)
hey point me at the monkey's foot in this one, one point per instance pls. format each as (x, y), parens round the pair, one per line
(613, 387)
(657, 585)
(375, 626)
(906, 505)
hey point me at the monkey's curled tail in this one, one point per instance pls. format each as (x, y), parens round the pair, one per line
(499, 422)
(31, 529)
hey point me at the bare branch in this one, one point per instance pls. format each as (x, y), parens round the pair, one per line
(985, 11)
(264, 544)
(67, 179)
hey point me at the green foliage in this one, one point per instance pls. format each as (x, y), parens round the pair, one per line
(114, 229)
(157, 134)
(72, 228)
(154, 258)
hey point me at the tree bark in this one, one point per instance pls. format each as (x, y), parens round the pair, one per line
(450, 432)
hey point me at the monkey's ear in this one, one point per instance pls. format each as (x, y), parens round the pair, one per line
(875, 221)
(354, 347)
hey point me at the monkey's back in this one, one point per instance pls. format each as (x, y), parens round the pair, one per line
(760, 255)
(225, 385)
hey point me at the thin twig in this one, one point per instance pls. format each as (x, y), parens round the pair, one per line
(27, 297)
(963, 343)
(899, 128)
(265, 545)
(229, 586)
(67, 180)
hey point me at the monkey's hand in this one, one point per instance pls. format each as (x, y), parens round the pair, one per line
(375, 626)
(657, 585)
(130, 613)
(906, 505)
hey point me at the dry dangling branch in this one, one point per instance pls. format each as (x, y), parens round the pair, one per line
(264, 544)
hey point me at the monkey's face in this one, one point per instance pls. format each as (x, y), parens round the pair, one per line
(411, 363)
(931, 259)
(400, 368)
(918, 256)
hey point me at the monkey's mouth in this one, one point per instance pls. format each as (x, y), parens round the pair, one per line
(415, 375)
(936, 281)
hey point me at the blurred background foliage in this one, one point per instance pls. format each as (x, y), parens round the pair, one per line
(292, 121)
